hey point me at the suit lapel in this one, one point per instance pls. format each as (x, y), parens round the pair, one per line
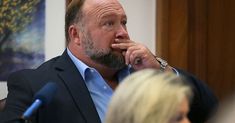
(77, 88)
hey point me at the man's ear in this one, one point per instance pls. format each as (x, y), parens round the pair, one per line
(74, 34)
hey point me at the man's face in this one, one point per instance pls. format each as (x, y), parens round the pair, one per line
(104, 21)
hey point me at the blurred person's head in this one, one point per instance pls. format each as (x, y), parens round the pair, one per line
(150, 96)
(226, 111)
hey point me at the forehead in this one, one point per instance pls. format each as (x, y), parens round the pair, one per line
(101, 8)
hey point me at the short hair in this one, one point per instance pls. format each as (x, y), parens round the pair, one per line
(73, 14)
(148, 96)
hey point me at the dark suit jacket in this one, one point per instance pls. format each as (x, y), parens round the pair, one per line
(72, 102)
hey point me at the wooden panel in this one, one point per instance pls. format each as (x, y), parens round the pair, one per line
(198, 36)
(178, 33)
(162, 18)
(172, 32)
(221, 38)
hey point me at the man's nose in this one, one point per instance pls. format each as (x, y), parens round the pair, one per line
(122, 32)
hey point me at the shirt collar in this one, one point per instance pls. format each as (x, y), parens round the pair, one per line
(78, 63)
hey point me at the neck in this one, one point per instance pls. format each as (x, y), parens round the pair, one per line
(109, 74)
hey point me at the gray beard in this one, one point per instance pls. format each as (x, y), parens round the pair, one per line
(107, 58)
(110, 60)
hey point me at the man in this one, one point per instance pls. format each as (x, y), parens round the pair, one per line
(99, 55)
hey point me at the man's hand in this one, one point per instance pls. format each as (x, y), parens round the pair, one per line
(136, 54)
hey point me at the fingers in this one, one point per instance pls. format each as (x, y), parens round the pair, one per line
(132, 51)
(123, 44)
(133, 55)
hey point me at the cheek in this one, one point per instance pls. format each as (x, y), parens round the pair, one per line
(103, 40)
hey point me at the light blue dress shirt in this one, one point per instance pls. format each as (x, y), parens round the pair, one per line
(99, 90)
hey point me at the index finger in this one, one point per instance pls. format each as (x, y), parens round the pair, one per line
(122, 41)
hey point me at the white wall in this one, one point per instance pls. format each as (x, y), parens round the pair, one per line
(141, 21)
(3, 89)
(141, 26)
(55, 37)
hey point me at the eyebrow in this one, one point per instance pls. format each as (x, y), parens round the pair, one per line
(111, 15)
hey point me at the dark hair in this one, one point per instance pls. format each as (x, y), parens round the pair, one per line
(73, 15)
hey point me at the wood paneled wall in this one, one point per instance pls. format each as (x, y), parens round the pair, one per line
(221, 49)
(198, 36)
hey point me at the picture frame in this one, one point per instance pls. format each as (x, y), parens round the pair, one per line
(54, 34)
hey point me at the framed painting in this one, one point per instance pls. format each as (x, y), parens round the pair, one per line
(28, 44)
(22, 35)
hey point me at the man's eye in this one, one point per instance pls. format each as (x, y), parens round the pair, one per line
(109, 23)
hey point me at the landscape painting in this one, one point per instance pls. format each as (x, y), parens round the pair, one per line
(22, 35)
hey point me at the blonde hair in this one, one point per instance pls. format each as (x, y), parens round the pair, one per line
(147, 96)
